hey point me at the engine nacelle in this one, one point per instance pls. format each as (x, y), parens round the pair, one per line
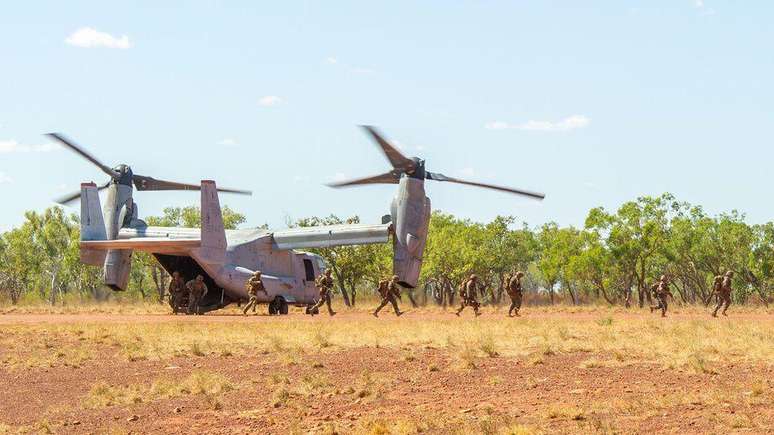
(411, 217)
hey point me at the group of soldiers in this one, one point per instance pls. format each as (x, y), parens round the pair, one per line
(194, 289)
(390, 292)
(721, 288)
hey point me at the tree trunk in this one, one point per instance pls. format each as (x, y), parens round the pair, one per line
(342, 287)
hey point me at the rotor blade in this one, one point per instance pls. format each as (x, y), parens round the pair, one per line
(142, 182)
(440, 177)
(397, 160)
(64, 200)
(69, 144)
(386, 178)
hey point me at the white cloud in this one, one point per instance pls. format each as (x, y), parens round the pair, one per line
(270, 100)
(5, 179)
(87, 37)
(570, 123)
(227, 142)
(331, 60)
(699, 4)
(11, 146)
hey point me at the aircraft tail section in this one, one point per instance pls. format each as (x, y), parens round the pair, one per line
(92, 224)
(213, 232)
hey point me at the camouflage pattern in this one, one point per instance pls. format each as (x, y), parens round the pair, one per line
(515, 293)
(724, 293)
(177, 291)
(661, 293)
(253, 286)
(389, 290)
(197, 289)
(324, 284)
(468, 294)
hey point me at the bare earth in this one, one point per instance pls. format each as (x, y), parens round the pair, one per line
(327, 388)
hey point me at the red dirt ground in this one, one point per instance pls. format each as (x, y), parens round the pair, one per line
(410, 389)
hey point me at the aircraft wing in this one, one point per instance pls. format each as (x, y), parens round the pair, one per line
(333, 235)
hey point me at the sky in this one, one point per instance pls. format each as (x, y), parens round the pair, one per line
(593, 103)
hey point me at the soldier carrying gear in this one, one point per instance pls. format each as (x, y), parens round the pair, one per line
(661, 293)
(389, 290)
(176, 291)
(716, 284)
(197, 290)
(515, 293)
(468, 293)
(724, 294)
(324, 284)
(253, 286)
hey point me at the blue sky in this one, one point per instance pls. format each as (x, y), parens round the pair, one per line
(593, 103)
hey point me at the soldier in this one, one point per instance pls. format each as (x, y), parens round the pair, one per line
(716, 283)
(514, 291)
(324, 283)
(724, 294)
(176, 291)
(662, 293)
(197, 289)
(253, 286)
(468, 293)
(389, 290)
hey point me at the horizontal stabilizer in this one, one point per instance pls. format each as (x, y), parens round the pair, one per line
(333, 235)
(147, 244)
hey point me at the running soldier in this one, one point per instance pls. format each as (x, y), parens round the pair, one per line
(324, 284)
(662, 293)
(724, 294)
(253, 286)
(197, 290)
(716, 283)
(468, 293)
(514, 292)
(176, 291)
(389, 290)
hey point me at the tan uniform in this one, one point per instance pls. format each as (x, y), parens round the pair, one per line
(724, 296)
(389, 291)
(515, 293)
(324, 284)
(176, 292)
(469, 296)
(661, 293)
(253, 286)
(196, 291)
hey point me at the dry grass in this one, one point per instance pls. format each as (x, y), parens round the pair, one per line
(697, 343)
(210, 385)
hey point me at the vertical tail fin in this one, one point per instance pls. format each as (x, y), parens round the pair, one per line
(213, 232)
(92, 224)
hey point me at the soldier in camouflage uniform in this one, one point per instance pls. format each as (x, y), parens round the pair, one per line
(176, 291)
(389, 290)
(324, 283)
(197, 290)
(253, 286)
(716, 283)
(662, 293)
(515, 293)
(724, 294)
(468, 293)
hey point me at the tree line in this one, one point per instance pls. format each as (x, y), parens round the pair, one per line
(612, 259)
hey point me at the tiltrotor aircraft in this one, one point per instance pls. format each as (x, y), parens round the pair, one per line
(227, 258)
